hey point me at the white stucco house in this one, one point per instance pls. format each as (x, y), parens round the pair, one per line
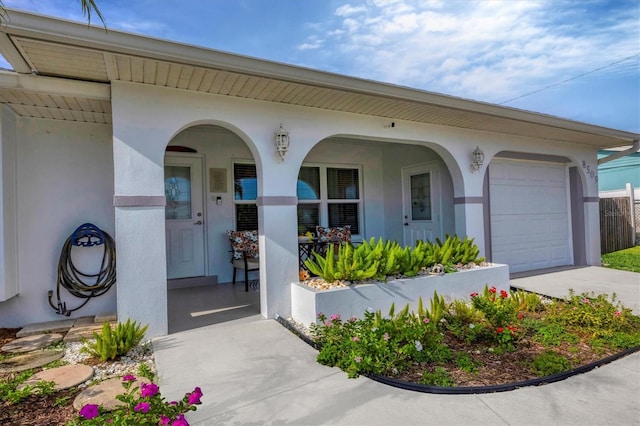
(87, 116)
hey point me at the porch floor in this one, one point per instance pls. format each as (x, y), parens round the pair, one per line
(199, 305)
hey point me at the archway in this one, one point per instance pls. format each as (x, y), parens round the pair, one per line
(210, 188)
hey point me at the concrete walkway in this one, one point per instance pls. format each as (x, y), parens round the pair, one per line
(254, 372)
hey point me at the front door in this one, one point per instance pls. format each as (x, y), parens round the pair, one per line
(421, 203)
(184, 216)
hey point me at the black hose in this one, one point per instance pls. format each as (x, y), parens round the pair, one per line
(81, 284)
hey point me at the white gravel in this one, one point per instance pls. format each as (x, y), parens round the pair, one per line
(128, 364)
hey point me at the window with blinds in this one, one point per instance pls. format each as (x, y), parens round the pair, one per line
(328, 196)
(245, 183)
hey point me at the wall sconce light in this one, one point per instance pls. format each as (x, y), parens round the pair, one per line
(477, 158)
(282, 142)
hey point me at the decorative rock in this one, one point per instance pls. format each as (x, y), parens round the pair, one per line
(103, 394)
(64, 377)
(32, 343)
(30, 360)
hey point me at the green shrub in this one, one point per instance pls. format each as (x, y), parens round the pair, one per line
(377, 344)
(439, 377)
(498, 308)
(465, 362)
(549, 363)
(112, 343)
(379, 259)
(599, 314)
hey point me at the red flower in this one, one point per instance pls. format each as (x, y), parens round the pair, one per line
(499, 330)
(504, 294)
(492, 290)
(474, 294)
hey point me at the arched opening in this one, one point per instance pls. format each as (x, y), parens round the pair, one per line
(210, 186)
(396, 190)
(534, 213)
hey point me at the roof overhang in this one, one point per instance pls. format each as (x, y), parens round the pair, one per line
(45, 46)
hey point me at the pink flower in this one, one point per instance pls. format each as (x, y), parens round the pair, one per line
(164, 420)
(355, 339)
(89, 411)
(327, 323)
(129, 378)
(617, 313)
(353, 319)
(426, 320)
(335, 317)
(474, 294)
(142, 407)
(386, 336)
(357, 359)
(194, 397)
(150, 389)
(587, 301)
(180, 421)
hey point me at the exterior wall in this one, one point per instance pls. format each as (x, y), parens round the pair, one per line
(64, 179)
(146, 118)
(8, 211)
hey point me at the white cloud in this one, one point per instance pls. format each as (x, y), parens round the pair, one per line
(494, 49)
(348, 10)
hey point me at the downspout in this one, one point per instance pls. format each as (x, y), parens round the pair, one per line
(634, 148)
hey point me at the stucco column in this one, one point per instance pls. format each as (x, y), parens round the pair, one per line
(469, 216)
(278, 253)
(138, 162)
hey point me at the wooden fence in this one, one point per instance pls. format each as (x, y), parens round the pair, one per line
(615, 224)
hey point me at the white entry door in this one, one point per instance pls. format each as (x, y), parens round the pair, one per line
(184, 216)
(421, 203)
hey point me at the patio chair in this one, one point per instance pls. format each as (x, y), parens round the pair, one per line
(335, 235)
(244, 253)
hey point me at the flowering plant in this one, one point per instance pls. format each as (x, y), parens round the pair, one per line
(143, 405)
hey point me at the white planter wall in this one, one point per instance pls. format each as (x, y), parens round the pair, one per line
(307, 302)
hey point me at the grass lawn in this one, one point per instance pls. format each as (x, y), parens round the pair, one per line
(625, 260)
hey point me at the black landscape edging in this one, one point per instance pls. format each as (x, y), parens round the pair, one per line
(466, 390)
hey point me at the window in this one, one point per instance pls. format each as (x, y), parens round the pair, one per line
(245, 182)
(328, 196)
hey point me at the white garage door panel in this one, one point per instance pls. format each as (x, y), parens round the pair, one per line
(530, 226)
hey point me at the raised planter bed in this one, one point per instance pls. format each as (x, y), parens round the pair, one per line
(307, 302)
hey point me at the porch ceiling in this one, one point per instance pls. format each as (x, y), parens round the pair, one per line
(50, 47)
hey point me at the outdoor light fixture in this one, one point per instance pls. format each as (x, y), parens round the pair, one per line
(282, 142)
(477, 158)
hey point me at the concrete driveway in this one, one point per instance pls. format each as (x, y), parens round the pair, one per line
(254, 372)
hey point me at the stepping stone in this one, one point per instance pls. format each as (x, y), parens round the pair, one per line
(99, 319)
(31, 343)
(60, 326)
(76, 334)
(64, 377)
(103, 394)
(82, 321)
(30, 360)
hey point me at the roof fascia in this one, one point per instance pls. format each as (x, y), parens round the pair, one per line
(12, 55)
(54, 86)
(77, 34)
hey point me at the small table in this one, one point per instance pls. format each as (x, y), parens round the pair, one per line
(306, 248)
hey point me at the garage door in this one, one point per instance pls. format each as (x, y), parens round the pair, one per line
(530, 226)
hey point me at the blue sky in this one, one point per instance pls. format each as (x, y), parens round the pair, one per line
(573, 59)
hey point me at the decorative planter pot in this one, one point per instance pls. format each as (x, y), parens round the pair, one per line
(307, 302)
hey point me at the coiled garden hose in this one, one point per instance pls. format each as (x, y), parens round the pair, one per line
(80, 284)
